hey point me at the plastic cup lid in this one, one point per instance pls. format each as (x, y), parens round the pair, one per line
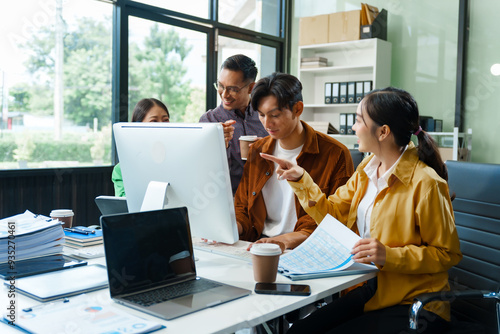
(265, 249)
(61, 213)
(248, 138)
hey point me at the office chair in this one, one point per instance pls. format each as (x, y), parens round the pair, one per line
(475, 281)
(356, 156)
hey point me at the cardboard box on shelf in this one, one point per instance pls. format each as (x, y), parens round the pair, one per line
(344, 26)
(313, 30)
(447, 153)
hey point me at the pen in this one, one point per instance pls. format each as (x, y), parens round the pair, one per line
(29, 309)
(85, 229)
(75, 230)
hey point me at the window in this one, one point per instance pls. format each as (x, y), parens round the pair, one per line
(69, 68)
(199, 8)
(264, 56)
(55, 72)
(168, 63)
(257, 15)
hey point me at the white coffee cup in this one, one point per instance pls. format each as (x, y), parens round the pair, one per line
(245, 142)
(265, 259)
(63, 215)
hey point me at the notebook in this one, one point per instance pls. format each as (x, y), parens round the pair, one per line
(109, 205)
(149, 256)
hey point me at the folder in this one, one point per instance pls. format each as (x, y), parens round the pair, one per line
(350, 123)
(343, 92)
(438, 125)
(427, 123)
(335, 92)
(354, 121)
(343, 124)
(359, 91)
(328, 92)
(351, 92)
(367, 87)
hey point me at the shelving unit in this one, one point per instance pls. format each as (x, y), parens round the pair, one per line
(366, 59)
(454, 145)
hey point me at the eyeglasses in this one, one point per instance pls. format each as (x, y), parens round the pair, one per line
(232, 90)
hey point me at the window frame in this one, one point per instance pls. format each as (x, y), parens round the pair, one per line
(123, 9)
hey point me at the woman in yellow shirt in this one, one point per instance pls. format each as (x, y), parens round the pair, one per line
(398, 202)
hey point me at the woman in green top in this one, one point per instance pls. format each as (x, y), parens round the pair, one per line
(146, 110)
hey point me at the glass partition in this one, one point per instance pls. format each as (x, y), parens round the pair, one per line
(482, 87)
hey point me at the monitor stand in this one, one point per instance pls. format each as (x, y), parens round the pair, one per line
(155, 197)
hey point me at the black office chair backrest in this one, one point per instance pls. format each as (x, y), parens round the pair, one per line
(356, 156)
(477, 217)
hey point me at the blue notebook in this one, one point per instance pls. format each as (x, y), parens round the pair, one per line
(82, 236)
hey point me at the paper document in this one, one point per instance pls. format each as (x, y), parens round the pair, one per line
(26, 223)
(28, 235)
(84, 313)
(326, 252)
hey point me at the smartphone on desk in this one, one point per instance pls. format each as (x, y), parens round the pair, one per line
(283, 289)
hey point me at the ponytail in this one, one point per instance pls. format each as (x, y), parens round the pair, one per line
(428, 152)
(399, 110)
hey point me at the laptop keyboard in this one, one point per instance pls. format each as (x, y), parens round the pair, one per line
(156, 296)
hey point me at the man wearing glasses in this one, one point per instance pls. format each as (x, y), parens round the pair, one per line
(235, 83)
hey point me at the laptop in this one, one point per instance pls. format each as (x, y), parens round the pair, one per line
(149, 256)
(109, 205)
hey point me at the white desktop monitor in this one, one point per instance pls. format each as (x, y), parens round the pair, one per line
(192, 159)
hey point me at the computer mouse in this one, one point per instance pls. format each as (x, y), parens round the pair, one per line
(95, 227)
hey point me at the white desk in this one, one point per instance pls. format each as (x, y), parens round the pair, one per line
(226, 318)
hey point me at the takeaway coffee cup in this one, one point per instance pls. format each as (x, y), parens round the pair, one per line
(245, 142)
(65, 216)
(265, 258)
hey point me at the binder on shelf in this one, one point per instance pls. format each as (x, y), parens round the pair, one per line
(343, 124)
(350, 123)
(359, 91)
(438, 125)
(354, 121)
(351, 92)
(343, 92)
(427, 123)
(367, 87)
(328, 92)
(335, 92)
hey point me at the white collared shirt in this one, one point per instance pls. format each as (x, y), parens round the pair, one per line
(375, 186)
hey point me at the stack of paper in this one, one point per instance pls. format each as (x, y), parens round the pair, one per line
(324, 127)
(312, 62)
(28, 235)
(325, 253)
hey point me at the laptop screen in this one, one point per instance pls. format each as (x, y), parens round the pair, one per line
(147, 249)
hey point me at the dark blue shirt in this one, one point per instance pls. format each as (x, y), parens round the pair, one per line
(246, 125)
